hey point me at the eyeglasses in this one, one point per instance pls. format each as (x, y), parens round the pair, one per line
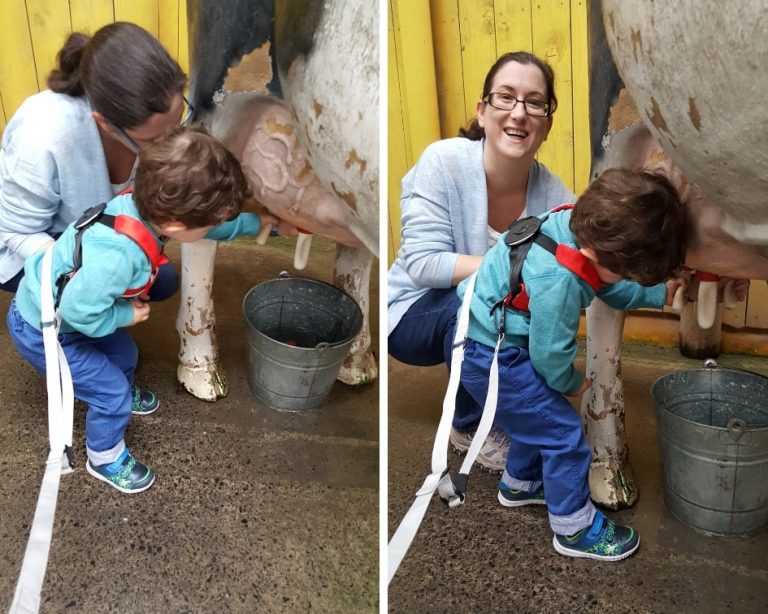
(507, 102)
(187, 117)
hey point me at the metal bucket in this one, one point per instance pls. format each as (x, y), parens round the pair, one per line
(713, 438)
(298, 331)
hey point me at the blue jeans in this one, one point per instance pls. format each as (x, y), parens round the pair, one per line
(102, 373)
(165, 286)
(547, 438)
(424, 337)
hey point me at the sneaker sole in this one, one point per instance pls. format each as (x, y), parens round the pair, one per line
(127, 491)
(146, 413)
(509, 503)
(461, 450)
(578, 554)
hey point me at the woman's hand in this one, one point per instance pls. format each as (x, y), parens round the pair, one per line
(140, 311)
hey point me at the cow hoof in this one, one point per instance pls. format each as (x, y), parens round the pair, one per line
(358, 369)
(612, 484)
(205, 383)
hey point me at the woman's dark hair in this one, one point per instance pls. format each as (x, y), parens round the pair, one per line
(189, 176)
(474, 131)
(634, 222)
(123, 70)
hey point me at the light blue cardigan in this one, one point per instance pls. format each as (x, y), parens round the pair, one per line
(444, 209)
(52, 168)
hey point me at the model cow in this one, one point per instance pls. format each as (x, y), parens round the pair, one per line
(693, 108)
(292, 88)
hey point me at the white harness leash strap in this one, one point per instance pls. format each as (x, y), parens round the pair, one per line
(61, 401)
(440, 478)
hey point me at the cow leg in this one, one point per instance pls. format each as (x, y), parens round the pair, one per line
(611, 479)
(199, 371)
(352, 273)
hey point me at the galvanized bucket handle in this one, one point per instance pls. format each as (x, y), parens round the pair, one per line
(711, 363)
(736, 429)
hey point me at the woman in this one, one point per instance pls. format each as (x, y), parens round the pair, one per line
(455, 203)
(75, 145)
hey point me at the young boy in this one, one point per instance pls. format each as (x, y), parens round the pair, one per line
(628, 225)
(188, 186)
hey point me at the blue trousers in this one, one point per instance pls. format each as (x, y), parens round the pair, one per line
(548, 442)
(102, 373)
(424, 337)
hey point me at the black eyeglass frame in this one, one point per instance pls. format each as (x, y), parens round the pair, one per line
(489, 99)
(185, 120)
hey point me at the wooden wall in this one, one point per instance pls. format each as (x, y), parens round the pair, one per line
(33, 31)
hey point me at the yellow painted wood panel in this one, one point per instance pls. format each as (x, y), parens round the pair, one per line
(140, 12)
(18, 78)
(478, 44)
(513, 26)
(582, 150)
(416, 75)
(414, 99)
(446, 38)
(396, 166)
(168, 26)
(183, 57)
(89, 15)
(551, 26)
(49, 26)
(757, 305)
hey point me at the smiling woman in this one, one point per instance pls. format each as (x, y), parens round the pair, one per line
(455, 202)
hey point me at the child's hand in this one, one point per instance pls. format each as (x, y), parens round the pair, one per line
(286, 229)
(140, 311)
(672, 286)
(267, 219)
(581, 390)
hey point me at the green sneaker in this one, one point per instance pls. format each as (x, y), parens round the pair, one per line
(143, 402)
(604, 540)
(126, 473)
(511, 497)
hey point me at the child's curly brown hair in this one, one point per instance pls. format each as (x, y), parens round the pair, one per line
(635, 223)
(190, 177)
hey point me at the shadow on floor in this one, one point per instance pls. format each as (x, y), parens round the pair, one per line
(484, 557)
(253, 510)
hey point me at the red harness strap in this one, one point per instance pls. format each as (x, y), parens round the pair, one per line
(135, 230)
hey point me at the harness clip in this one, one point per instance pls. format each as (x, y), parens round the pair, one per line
(90, 215)
(70, 456)
(522, 230)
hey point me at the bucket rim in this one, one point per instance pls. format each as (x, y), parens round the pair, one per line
(326, 345)
(662, 409)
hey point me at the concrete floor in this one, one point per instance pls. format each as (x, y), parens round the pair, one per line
(484, 557)
(253, 510)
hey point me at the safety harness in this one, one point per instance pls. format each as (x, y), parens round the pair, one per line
(26, 599)
(124, 225)
(521, 235)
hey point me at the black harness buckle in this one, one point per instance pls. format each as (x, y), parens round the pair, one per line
(522, 230)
